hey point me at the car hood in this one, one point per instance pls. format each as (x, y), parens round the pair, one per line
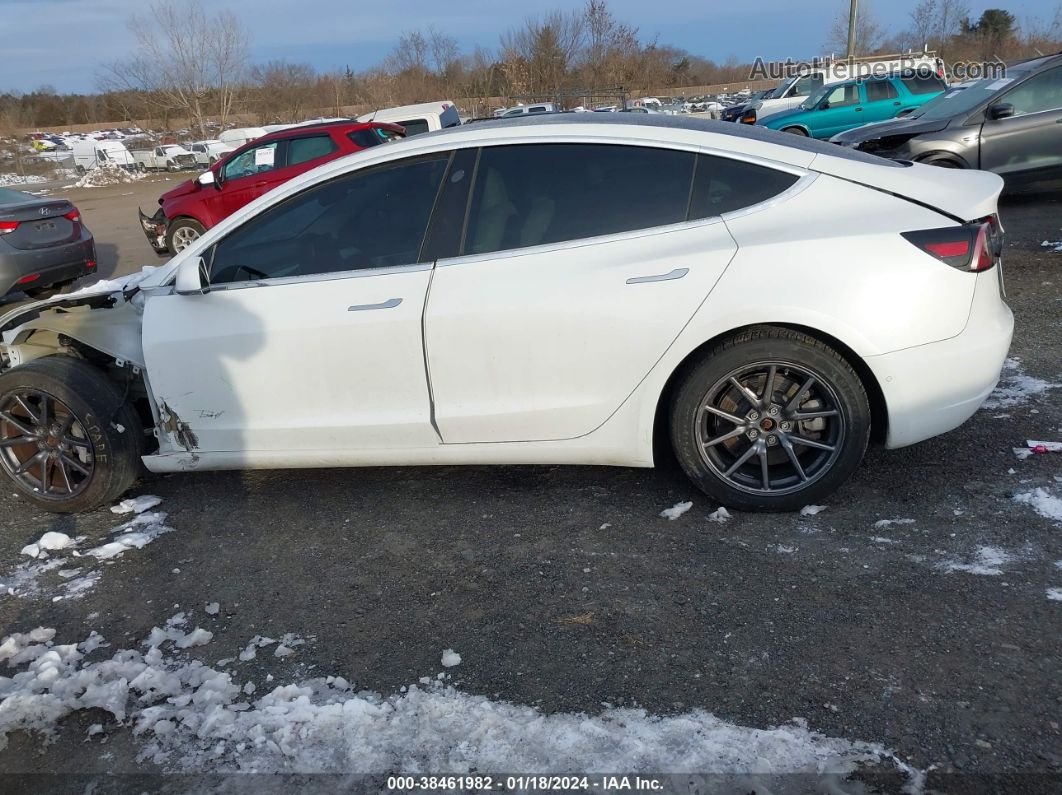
(186, 187)
(785, 116)
(883, 129)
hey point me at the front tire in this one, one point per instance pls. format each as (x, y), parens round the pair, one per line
(68, 440)
(770, 420)
(795, 131)
(182, 233)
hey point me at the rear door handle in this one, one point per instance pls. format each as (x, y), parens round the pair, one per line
(678, 273)
(390, 303)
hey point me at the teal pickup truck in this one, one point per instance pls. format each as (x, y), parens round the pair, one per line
(844, 106)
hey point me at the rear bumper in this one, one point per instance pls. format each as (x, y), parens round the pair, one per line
(932, 389)
(51, 265)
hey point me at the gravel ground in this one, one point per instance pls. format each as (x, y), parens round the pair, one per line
(563, 588)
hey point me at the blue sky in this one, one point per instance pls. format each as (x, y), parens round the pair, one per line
(63, 43)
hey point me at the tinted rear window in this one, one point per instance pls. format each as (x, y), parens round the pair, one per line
(722, 185)
(924, 84)
(302, 150)
(537, 194)
(414, 126)
(371, 137)
(879, 90)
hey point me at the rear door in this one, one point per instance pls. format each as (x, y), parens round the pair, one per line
(1027, 147)
(573, 281)
(883, 101)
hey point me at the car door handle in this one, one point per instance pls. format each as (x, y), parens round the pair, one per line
(390, 303)
(858, 110)
(897, 104)
(678, 273)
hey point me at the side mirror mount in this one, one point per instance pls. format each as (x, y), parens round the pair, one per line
(1001, 110)
(192, 277)
(824, 105)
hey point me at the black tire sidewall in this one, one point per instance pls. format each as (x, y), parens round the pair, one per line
(743, 351)
(97, 404)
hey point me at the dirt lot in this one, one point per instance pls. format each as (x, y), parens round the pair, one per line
(915, 611)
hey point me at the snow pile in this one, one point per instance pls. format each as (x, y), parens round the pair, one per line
(675, 511)
(8, 180)
(1043, 502)
(719, 515)
(450, 658)
(811, 510)
(107, 174)
(192, 717)
(1052, 245)
(987, 561)
(1015, 387)
(26, 580)
(1054, 594)
(881, 524)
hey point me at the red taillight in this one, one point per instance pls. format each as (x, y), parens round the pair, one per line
(90, 264)
(6, 227)
(74, 215)
(971, 247)
(27, 279)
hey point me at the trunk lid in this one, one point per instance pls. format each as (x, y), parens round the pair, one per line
(963, 195)
(41, 223)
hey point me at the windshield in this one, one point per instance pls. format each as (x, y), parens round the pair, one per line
(954, 103)
(816, 98)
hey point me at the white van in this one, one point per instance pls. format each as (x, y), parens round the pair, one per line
(238, 136)
(422, 118)
(88, 154)
(524, 110)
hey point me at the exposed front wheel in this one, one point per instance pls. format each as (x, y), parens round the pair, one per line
(68, 440)
(182, 233)
(795, 131)
(770, 420)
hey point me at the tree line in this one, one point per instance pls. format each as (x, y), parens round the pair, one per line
(191, 67)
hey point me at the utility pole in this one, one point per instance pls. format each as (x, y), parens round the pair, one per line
(852, 16)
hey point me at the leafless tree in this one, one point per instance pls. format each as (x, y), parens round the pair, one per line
(869, 32)
(924, 22)
(190, 62)
(284, 90)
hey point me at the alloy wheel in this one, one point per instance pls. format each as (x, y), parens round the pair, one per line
(183, 238)
(43, 446)
(770, 428)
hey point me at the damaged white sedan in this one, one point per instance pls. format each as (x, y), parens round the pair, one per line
(505, 293)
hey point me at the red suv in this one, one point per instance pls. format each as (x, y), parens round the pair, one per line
(256, 167)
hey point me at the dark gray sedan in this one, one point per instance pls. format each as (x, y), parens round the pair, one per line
(1011, 125)
(44, 244)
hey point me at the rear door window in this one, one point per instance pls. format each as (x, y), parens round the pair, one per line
(722, 185)
(537, 194)
(302, 150)
(881, 90)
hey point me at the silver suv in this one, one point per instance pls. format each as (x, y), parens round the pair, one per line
(1010, 125)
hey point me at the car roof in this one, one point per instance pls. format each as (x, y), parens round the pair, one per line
(742, 138)
(299, 130)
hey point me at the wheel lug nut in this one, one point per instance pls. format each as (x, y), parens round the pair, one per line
(773, 411)
(754, 415)
(753, 434)
(786, 426)
(772, 441)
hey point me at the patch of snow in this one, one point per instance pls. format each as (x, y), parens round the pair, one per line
(883, 540)
(1043, 502)
(720, 515)
(191, 717)
(107, 174)
(1054, 594)
(784, 550)
(135, 534)
(987, 561)
(1052, 245)
(1015, 387)
(811, 510)
(10, 180)
(881, 524)
(675, 511)
(136, 504)
(450, 658)
(108, 286)
(212, 609)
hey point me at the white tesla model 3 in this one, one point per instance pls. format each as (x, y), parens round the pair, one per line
(563, 290)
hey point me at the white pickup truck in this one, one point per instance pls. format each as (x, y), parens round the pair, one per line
(207, 153)
(169, 157)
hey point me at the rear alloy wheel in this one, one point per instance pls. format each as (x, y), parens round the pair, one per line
(795, 131)
(182, 233)
(770, 420)
(68, 441)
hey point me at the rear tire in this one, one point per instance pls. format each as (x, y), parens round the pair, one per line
(90, 463)
(795, 131)
(755, 451)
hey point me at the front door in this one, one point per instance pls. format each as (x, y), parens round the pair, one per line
(310, 335)
(1027, 147)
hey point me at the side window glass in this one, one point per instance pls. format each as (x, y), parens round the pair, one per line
(368, 219)
(302, 150)
(1039, 93)
(920, 84)
(881, 90)
(722, 185)
(843, 96)
(414, 126)
(547, 193)
(254, 161)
